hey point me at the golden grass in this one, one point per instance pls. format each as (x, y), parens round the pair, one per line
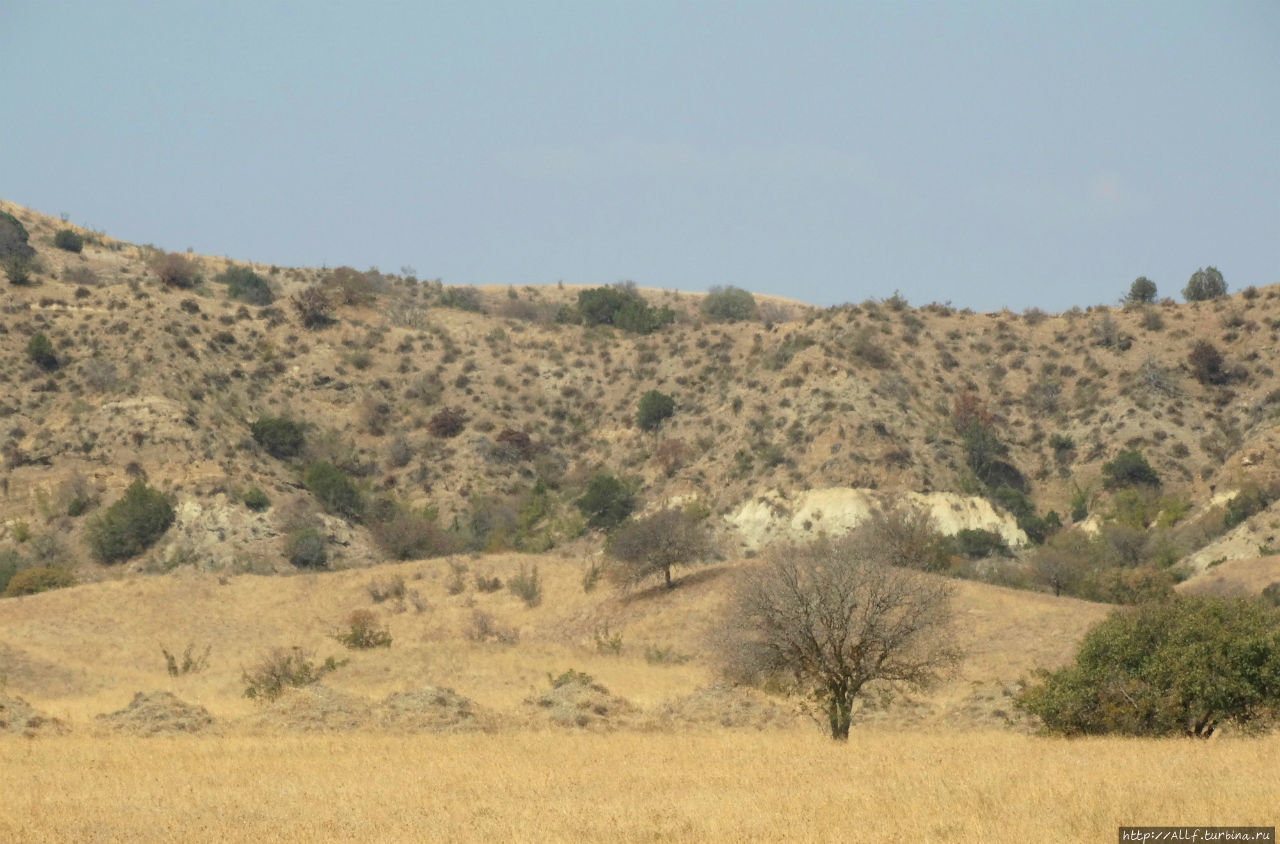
(779, 786)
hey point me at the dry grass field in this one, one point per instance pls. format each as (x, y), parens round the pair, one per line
(713, 786)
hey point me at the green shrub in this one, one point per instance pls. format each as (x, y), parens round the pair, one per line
(606, 502)
(38, 579)
(1205, 284)
(1245, 503)
(244, 285)
(1129, 468)
(979, 544)
(68, 240)
(40, 352)
(307, 549)
(18, 270)
(364, 632)
(13, 239)
(622, 307)
(284, 668)
(1271, 594)
(410, 535)
(462, 298)
(11, 562)
(1180, 667)
(1207, 364)
(256, 500)
(729, 304)
(334, 490)
(131, 525)
(282, 438)
(654, 407)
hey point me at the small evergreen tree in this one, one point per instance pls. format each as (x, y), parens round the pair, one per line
(607, 502)
(654, 407)
(1206, 283)
(131, 525)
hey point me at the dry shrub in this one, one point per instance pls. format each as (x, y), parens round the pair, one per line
(363, 632)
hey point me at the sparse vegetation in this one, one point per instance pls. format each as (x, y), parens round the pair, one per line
(363, 632)
(281, 669)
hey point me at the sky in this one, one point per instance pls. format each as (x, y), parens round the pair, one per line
(989, 155)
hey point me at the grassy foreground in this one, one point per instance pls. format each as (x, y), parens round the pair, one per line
(710, 786)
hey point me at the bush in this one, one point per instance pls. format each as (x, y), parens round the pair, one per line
(131, 525)
(38, 579)
(412, 536)
(68, 240)
(729, 304)
(244, 285)
(307, 549)
(13, 239)
(284, 668)
(256, 500)
(655, 544)
(462, 298)
(526, 585)
(622, 307)
(1141, 292)
(1245, 503)
(1206, 363)
(363, 632)
(176, 270)
(980, 544)
(191, 662)
(449, 422)
(18, 270)
(313, 307)
(606, 502)
(334, 490)
(654, 407)
(1205, 284)
(281, 437)
(1129, 468)
(1181, 667)
(40, 352)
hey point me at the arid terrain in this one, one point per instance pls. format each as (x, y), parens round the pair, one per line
(471, 423)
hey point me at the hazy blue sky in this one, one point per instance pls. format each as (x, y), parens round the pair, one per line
(989, 154)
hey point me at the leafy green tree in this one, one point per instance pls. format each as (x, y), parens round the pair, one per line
(1206, 283)
(1129, 468)
(1180, 667)
(282, 438)
(245, 285)
(655, 544)
(729, 304)
(607, 502)
(1141, 292)
(334, 490)
(131, 525)
(653, 409)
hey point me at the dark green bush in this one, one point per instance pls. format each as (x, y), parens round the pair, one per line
(654, 407)
(13, 239)
(131, 525)
(1183, 666)
(462, 298)
(11, 562)
(38, 579)
(257, 500)
(307, 549)
(1141, 292)
(281, 437)
(244, 285)
(1245, 503)
(979, 544)
(606, 502)
(729, 304)
(68, 240)
(622, 307)
(40, 352)
(1207, 364)
(334, 490)
(1129, 468)
(17, 270)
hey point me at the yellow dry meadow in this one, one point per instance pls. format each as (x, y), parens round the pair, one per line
(551, 786)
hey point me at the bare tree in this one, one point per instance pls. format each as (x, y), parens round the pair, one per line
(833, 618)
(656, 543)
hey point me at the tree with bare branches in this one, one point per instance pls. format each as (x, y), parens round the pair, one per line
(656, 543)
(833, 618)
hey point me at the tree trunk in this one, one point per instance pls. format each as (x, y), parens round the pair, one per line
(666, 570)
(840, 713)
